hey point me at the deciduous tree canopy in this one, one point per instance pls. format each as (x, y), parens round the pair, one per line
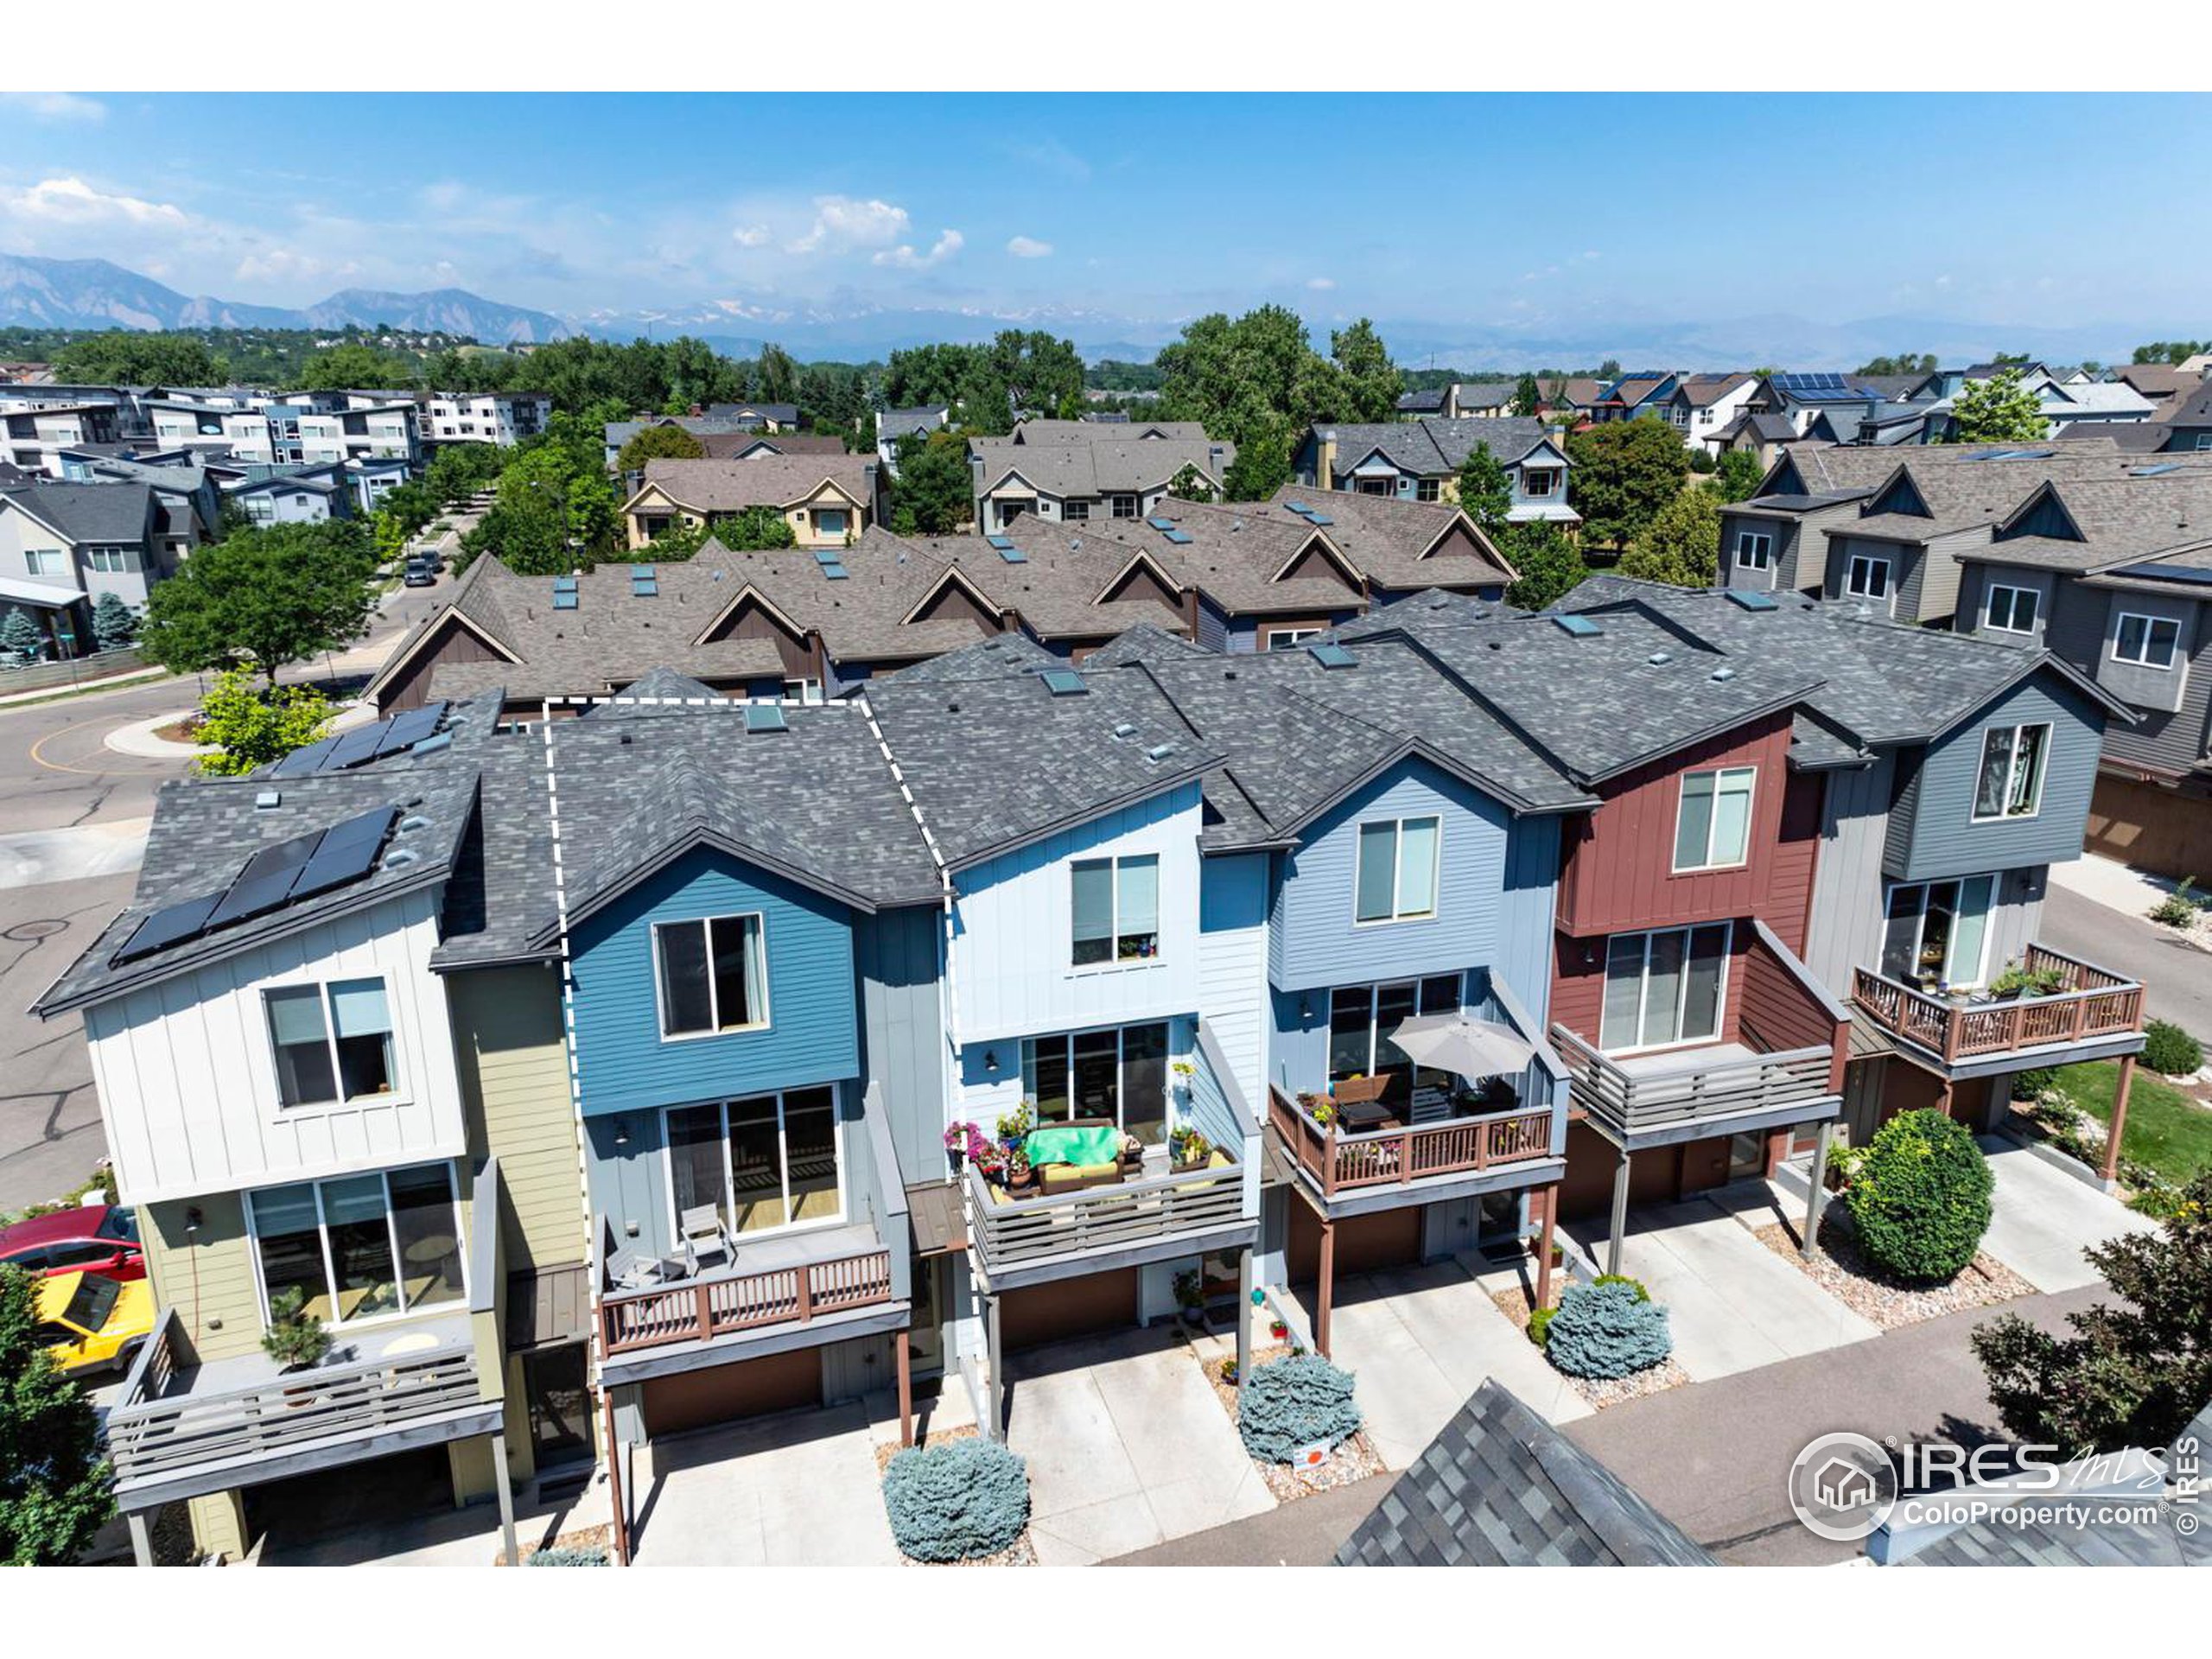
(264, 597)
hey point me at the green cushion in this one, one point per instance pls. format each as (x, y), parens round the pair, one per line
(1066, 1145)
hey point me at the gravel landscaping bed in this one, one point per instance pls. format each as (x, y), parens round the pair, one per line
(1019, 1553)
(1838, 1268)
(1355, 1459)
(1598, 1392)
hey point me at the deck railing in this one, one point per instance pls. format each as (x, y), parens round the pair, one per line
(1736, 1086)
(2092, 1002)
(1337, 1161)
(1025, 1232)
(716, 1303)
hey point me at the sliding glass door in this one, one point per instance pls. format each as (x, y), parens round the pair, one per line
(1666, 989)
(1938, 932)
(768, 1161)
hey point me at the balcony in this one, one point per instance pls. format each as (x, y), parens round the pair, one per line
(1405, 1163)
(1649, 1100)
(2093, 1015)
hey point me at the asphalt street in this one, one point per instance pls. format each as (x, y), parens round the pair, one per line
(2177, 977)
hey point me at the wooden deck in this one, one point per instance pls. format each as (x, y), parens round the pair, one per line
(2093, 1003)
(1334, 1161)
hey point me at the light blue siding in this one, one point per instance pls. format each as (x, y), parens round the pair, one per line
(812, 1036)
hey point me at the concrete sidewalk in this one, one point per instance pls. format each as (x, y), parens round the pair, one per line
(796, 1490)
(2041, 1219)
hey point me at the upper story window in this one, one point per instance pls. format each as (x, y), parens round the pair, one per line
(1076, 511)
(1397, 869)
(1755, 550)
(713, 975)
(46, 561)
(1539, 480)
(332, 1042)
(1428, 489)
(2010, 784)
(2146, 641)
(1117, 909)
(1868, 577)
(830, 521)
(1124, 506)
(361, 1247)
(2011, 610)
(1665, 989)
(1290, 639)
(1712, 826)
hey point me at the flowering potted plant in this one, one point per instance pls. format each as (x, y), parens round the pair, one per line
(962, 1142)
(1188, 1148)
(1017, 1169)
(1014, 1126)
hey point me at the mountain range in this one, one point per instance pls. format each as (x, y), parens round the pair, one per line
(36, 292)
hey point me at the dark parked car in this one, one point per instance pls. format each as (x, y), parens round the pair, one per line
(99, 1239)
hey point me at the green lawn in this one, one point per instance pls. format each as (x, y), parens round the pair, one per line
(2166, 1129)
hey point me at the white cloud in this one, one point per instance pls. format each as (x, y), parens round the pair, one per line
(751, 236)
(71, 202)
(281, 265)
(841, 222)
(904, 258)
(1321, 284)
(55, 106)
(1028, 247)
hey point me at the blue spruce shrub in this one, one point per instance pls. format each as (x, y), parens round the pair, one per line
(1609, 1329)
(956, 1502)
(1292, 1403)
(565, 1555)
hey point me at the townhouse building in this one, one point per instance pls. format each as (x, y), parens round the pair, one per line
(63, 546)
(1459, 400)
(1703, 406)
(32, 437)
(894, 425)
(828, 500)
(1419, 461)
(1090, 472)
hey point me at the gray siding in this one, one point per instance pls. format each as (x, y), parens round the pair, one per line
(902, 1029)
(1904, 570)
(1847, 923)
(1976, 580)
(2159, 690)
(2171, 742)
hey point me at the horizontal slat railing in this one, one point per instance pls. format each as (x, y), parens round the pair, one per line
(1733, 1088)
(699, 1310)
(1339, 1162)
(1026, 1231)
(2092, 1002)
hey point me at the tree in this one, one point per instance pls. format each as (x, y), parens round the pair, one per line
(54, 1485)
(753, 528)
(1550, 565)
(1485, 492)
(1624, 472)
(1262, 463)
(251, 728)
(1190, 485)
(1527, 396)
(20, 637)
(2175, 352)
(1999, 410)
(1256, 381)
(775, 376)
(1681, 545)
(2131, 1374)
(115, 624)
(934, 493)
(1371, 380)
(657, 443)
(1610, 369)
(1738, 474)
(1903, 363)
(353, 365)
(459, 470)
(266, 596)
(678, 542)
(411, 504)
(128, 358)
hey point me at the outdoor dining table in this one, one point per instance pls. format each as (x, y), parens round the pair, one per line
(1362, 1114)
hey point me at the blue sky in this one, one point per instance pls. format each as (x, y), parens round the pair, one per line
(1545, 210)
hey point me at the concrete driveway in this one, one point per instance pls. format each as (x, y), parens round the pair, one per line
(1734, 1305)
(2041, 1219)
(796, 1490)
(1127, 1447)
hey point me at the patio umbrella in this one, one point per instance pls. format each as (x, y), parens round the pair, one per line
(1469, 1048)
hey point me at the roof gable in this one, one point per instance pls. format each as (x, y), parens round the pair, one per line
(1318, 556)
(746, 603)
(938, 600)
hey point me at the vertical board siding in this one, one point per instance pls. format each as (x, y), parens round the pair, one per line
(1797, 856)
(1233, 963)
(1845, 932)
(507, 1038)
(813, 1035)
(1773, 1005)
(208, 1277)
(902, 1020)
(188, 1079)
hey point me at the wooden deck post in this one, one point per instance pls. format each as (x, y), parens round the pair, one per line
(994, 1397)
(1544, 1246)
(2118, 1117)
(1818, 1196)
(1328, 1286)
(142, 1542)
(505, 1484)
(1247, 1281)
(1620, 1215)
(905, 1391)
(614, 1479)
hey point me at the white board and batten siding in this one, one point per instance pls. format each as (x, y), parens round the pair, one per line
(187, 1078)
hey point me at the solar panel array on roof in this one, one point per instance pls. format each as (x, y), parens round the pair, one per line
(395, 735)
(1064, 682)
(2167, 573)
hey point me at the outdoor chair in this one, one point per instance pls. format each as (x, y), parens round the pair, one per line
(632, 1270)
(706, 1241)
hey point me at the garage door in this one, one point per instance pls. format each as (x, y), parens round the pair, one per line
(1385, 1238)
(1069, 1307)
(719, 1393)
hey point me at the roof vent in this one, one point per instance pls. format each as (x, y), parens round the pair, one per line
(399, 858)
(1722, 674)
(1580, 626)
(764, 717)
(1658, 657)
(413, 821)
(1124, 730)
(1159, 752)
(266, 798)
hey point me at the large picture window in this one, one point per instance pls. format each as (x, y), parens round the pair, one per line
(1937, 932)
(1867, 577)
(1119, 1074)
(2146, 641)
(1665, 989)
(332, 1042)
(767, 1161)
(2010, 784)
(1117, 909)
(1712, 826)
(1363, 1019)
(713, 975)
(2010, 610)
(1396, 877)
(361, 1247)
(1754, 549)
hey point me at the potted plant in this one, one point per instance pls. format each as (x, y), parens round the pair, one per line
(1278, 1332)
(962, 1142)
(2017, 977)
(294, 1341)
(1190, 1149)
(1190, 1295)
(1014, 1126)
(1229, 1372)
(1017, 1170)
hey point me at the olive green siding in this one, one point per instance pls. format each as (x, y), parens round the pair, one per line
(514, 1081)
(208, 1277)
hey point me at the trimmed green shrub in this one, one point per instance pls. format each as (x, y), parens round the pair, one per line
(1920, 1198)
(2178, 908)
(2168, 1048)
(2034, 1082)
(1540, 1325)
(1611, 1328)
(1636, 1285)
(566, 1555)
(956, 1502)
(1293, 1402)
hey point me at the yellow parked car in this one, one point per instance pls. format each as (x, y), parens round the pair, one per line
(90, 1323)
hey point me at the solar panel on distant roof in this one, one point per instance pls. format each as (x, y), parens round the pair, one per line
(1064, 682)
(171, 924)
(408, 729)
(354, 748)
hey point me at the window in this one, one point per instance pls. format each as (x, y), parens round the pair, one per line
(2148, 641)
(1712, 826)
(1754, 549)
(1428, 489)
(1539, 481)
(1868, 577)
(1363, 1019)
(769, 1161)
(801, 690)
(116, 561)
(362, 1246)
(1124, 506)
(1075, 512)
(830, 521)
(2010, 785)
(1934, 932)
(332, 1042)
(1395, 881)
(1117, 909)
(1291, 638)
(713, 976)
(2011, 610)
(46, 561)
(1664, 989)
(1119, 1074)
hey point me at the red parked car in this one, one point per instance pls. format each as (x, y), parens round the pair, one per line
(102, 1239)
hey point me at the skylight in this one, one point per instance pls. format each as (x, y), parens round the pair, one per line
(1180, 537)
(1752, 600)
(1329, 654)
(564, 599)
(835, 570)
(764, 717)
(1580, 626)
(1064, 682)
(644, 587)
(1161, 523)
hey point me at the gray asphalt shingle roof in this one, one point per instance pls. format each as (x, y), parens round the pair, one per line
(86, 513)
(1431, 447)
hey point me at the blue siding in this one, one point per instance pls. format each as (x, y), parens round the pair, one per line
(813, 1035)
(1932, 832)
(1523, 954)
